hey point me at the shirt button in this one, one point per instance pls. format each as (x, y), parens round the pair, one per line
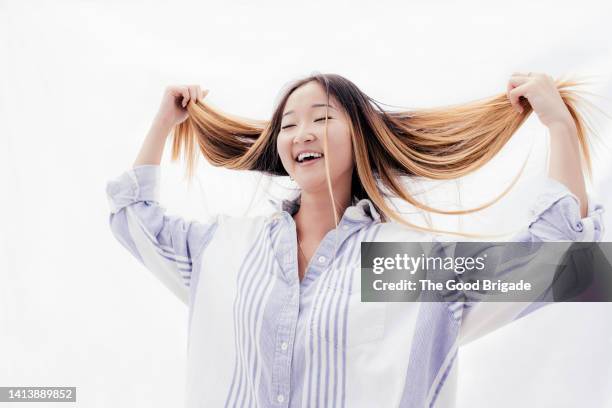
(280, 398)
(284, 345)
(345, 227)
(321, 259)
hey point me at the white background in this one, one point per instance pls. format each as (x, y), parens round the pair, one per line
(80, 82)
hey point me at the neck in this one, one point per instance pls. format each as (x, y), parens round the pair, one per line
(315, 217)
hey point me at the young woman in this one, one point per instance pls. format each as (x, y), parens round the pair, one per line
(275, 316)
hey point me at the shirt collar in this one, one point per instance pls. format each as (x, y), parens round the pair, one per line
(362, 210)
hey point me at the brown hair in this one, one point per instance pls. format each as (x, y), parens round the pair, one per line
(439, 143)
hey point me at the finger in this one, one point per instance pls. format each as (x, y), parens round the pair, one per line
(193, 94)
(517, 81)
(185, 94)
(205, 92)
(513, 83)
(515, 94)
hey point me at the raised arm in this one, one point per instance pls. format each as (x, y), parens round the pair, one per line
(564, 165)
(167, 245)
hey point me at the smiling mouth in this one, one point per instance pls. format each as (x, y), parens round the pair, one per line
(308, 161)
(309, 157)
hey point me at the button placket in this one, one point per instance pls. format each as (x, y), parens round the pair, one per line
(283, 356)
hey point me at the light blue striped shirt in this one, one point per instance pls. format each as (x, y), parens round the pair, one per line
(258, 337)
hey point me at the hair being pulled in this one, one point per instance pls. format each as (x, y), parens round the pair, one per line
(438, 143)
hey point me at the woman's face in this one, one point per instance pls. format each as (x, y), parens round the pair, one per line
(302, 130)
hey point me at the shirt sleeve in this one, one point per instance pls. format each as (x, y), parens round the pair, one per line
(167, 245)
(555, 217)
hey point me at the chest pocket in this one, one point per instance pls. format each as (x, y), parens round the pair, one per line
(340, 313)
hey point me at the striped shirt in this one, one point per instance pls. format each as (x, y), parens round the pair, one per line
(258, 337)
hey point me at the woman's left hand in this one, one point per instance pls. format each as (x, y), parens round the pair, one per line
(543, 96)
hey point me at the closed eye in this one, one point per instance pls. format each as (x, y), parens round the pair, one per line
(316, 120)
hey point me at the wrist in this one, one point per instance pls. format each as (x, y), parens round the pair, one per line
(563, 126)
(163, 123)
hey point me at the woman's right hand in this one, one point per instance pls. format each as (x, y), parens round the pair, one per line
(173, 108)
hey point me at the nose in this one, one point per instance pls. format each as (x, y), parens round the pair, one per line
(303, 137)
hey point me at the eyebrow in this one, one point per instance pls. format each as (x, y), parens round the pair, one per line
(316, 105)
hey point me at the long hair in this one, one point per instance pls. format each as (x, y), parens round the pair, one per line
(438, 143)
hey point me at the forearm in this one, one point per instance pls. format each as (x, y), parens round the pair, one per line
(564, 165)
(153, 146)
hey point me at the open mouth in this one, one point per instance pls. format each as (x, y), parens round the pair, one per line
(308, 158)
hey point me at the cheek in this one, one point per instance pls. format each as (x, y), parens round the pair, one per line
(283, 146)
(342, 150)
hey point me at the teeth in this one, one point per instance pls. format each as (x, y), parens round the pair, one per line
(302, 156)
